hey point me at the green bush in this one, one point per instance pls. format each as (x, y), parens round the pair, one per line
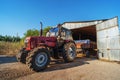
(9, 38)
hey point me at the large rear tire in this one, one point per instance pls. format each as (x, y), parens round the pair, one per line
(21, 56)
(38, 59)
(69, 52)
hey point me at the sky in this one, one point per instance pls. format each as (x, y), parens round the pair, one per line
(17, 16)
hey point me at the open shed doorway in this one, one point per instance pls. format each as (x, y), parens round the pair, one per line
(86, 40)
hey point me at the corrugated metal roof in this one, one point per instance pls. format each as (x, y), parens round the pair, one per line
(85, 21)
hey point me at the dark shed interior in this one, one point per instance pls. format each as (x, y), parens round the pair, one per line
(83, 33)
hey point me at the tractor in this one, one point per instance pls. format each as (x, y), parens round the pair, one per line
(39, 50)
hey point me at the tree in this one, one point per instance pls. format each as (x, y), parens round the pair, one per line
(45, 30)
(1, 38)
(35, 32)
(31, 32)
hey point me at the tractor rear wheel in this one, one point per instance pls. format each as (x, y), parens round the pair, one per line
(38, 59)
(69, 52)
(21, 56)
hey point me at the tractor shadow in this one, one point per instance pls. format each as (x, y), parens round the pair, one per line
(60, 64)
(7, 59)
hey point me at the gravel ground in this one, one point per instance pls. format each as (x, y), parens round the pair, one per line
(80, 69)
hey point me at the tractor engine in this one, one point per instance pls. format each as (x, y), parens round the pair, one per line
(34, 42)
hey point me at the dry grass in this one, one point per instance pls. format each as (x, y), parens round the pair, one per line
(10, 48)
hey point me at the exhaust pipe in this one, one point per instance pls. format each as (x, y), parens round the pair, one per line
(59, 29)
(41, 28)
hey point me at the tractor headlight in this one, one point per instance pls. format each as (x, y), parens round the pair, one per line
(26, 41)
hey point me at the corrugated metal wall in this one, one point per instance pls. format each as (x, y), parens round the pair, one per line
(108, 40)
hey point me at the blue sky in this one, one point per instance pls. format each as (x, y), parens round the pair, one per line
(17, 16)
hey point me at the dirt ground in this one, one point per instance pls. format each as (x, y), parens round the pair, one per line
(80, 69)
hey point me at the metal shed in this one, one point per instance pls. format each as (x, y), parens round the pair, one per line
(105, 32)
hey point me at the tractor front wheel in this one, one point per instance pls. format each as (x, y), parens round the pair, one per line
(21, 56)
(38, 59)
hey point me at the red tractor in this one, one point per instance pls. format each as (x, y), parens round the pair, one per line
(39, 49)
